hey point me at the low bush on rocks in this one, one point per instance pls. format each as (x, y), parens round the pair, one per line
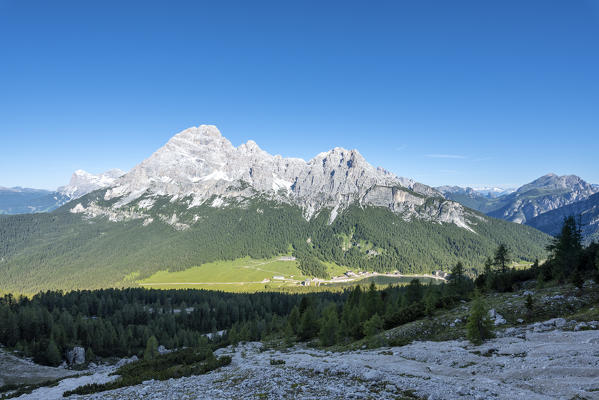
(178, 364)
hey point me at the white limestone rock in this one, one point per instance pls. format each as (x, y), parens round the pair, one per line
(200, 164)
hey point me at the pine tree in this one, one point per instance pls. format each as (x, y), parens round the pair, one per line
(329, 327)
(52, 354)
(414, 291)
(294, 319)
(565, 249)
(502, 258)
(479, 326)
(308, 327)
(151, 348)
(373, 326)
(430, 301)
(373, 300)
(288, 335)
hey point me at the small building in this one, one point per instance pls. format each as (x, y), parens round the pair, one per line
(278, 278)
(440, 274)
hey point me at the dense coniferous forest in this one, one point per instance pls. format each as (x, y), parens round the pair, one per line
(120, 322)
(66, 251)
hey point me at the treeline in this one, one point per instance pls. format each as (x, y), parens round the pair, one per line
(116, 322)
(122, 322)
(568, 261)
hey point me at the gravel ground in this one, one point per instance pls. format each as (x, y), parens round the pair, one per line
(524, 363)
(15, 370)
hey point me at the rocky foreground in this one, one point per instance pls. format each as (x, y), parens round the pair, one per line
(540, 361)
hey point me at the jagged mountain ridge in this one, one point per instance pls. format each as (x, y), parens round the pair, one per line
(199, 164)
(542, 203)
(199, 199)
(586, 213)
(544, 194)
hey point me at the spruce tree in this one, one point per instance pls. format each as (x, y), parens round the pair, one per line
(565, 249)
(151, 348)
(373, 326)
(329, 327)
(294, 319)
(502, 258)
(52, 354)
(308, 327)
(479, 326)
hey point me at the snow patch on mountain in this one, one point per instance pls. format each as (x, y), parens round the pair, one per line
(83, 182)
(200, 164)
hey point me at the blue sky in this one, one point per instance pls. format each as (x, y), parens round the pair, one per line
(461, 92)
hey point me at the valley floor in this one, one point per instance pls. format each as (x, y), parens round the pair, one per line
(523, 363)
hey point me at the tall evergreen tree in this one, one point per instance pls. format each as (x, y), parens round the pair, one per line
(502, 258)
(565, 249)
(329, 326)
(52, 354)
(308, 327)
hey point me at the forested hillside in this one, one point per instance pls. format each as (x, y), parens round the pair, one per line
(62, 250)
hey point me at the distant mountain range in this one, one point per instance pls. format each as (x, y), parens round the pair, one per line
(19, 200)
(542, 203)
(199, 199)
(199, 169)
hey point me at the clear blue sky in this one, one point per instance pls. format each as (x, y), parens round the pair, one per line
(445, 92)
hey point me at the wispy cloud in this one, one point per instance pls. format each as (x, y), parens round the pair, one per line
(400, 148)
(453, 156)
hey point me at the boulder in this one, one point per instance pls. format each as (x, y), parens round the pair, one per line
(76, 356)
(557, 322)
(124, 361)
(496, 317)
(581, 326)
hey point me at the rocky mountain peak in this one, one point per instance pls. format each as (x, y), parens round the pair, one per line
(83, 182)
(199, 164)
(552, 181)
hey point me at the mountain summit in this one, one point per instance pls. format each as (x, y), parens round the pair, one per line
(82, 182)
(199, 199)
(199, 165)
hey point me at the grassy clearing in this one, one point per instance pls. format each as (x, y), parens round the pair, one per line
(240, 275)
(247, 275)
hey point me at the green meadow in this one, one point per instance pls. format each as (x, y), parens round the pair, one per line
(240, 275)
